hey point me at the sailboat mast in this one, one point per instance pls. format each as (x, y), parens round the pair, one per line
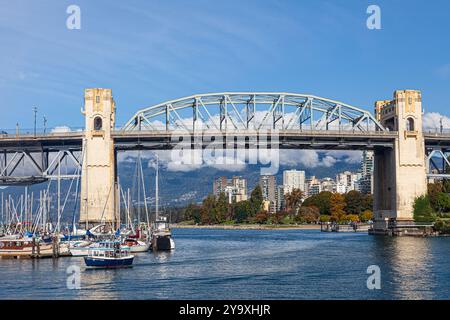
(26, 204)
(58, 228)
(3, 208)
(139, 188)
(157, 189)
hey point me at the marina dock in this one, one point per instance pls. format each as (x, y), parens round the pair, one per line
(334, 227)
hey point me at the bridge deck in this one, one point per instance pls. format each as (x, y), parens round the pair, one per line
(288, 139)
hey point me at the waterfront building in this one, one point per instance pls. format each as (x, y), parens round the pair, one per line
(328, 184)
(341, 188)
(293, 179)
(268, 185)
(366, 180)
(235, 188)
(219, 185)
(313, 186)
(280, 201)
(346, 182)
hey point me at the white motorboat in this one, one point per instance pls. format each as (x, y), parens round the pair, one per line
(137, 245)
(162, 236)
(80, 248)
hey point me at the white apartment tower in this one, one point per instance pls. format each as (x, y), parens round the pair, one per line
(293, 179)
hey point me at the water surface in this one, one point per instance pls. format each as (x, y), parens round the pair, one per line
(250, 264)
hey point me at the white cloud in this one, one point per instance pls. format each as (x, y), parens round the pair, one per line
(307, 158)
(349, 156)
(432, 121)
(328, 161)
(185, 162)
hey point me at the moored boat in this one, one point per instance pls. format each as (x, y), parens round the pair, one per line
(137, 245)
(162, 236)
(79, 248)
(25, 248)
(109, 254)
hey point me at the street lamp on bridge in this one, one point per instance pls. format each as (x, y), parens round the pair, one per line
(35, 114)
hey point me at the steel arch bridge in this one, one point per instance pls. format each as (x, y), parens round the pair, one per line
(250, 111)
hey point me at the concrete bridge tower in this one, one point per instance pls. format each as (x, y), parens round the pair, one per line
(98, 185)
(399, 173)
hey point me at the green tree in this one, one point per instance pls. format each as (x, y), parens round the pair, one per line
(446, 186)
(221, 208)
(367, 202)
(442, 202)
(423, 212)
(208, 210)
(293, 200)
(242, 211)
(256, 200)
(192, 212)
(366, 216)
(434, 189)
(354, 202)
(321, 201)
(309, 214)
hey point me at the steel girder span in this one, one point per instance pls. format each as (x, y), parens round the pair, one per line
(245, 111)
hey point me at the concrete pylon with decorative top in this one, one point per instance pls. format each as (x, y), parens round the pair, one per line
(399, 173)
(98, 180)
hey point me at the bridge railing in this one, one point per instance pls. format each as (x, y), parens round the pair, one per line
(438, 131)
(163, 131)
(27, 132)
(65, 130)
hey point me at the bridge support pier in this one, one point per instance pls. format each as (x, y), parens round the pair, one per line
(98, 183)
(399, 173)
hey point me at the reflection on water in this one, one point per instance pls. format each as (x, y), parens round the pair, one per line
(407, 268)
(249, 264)
(163, 256)
(411, 270)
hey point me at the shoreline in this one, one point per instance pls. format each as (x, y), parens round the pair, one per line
(247, 227)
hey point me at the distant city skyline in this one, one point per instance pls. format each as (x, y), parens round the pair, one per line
(236, 188)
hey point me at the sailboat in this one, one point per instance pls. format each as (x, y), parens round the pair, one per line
(160, 233)
(139, 241)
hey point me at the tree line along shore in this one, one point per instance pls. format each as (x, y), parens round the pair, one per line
(324, 207)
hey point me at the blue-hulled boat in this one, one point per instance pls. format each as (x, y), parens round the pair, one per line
(109, 254)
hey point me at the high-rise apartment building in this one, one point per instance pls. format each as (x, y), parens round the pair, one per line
(293, 179)
(235, 188)
(346, 182)
(366, 181)
(268, 185)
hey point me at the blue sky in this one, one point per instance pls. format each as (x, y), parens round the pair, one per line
(152, 51)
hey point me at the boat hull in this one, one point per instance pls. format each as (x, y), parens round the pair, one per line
(43, 252)
(140, 248)
(162, 243)
(108, 262)
(79, 252)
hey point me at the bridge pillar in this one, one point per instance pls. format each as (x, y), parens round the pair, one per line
(98, 181)
(399, 173)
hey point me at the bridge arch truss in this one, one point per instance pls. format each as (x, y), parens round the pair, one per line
(253, 111)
